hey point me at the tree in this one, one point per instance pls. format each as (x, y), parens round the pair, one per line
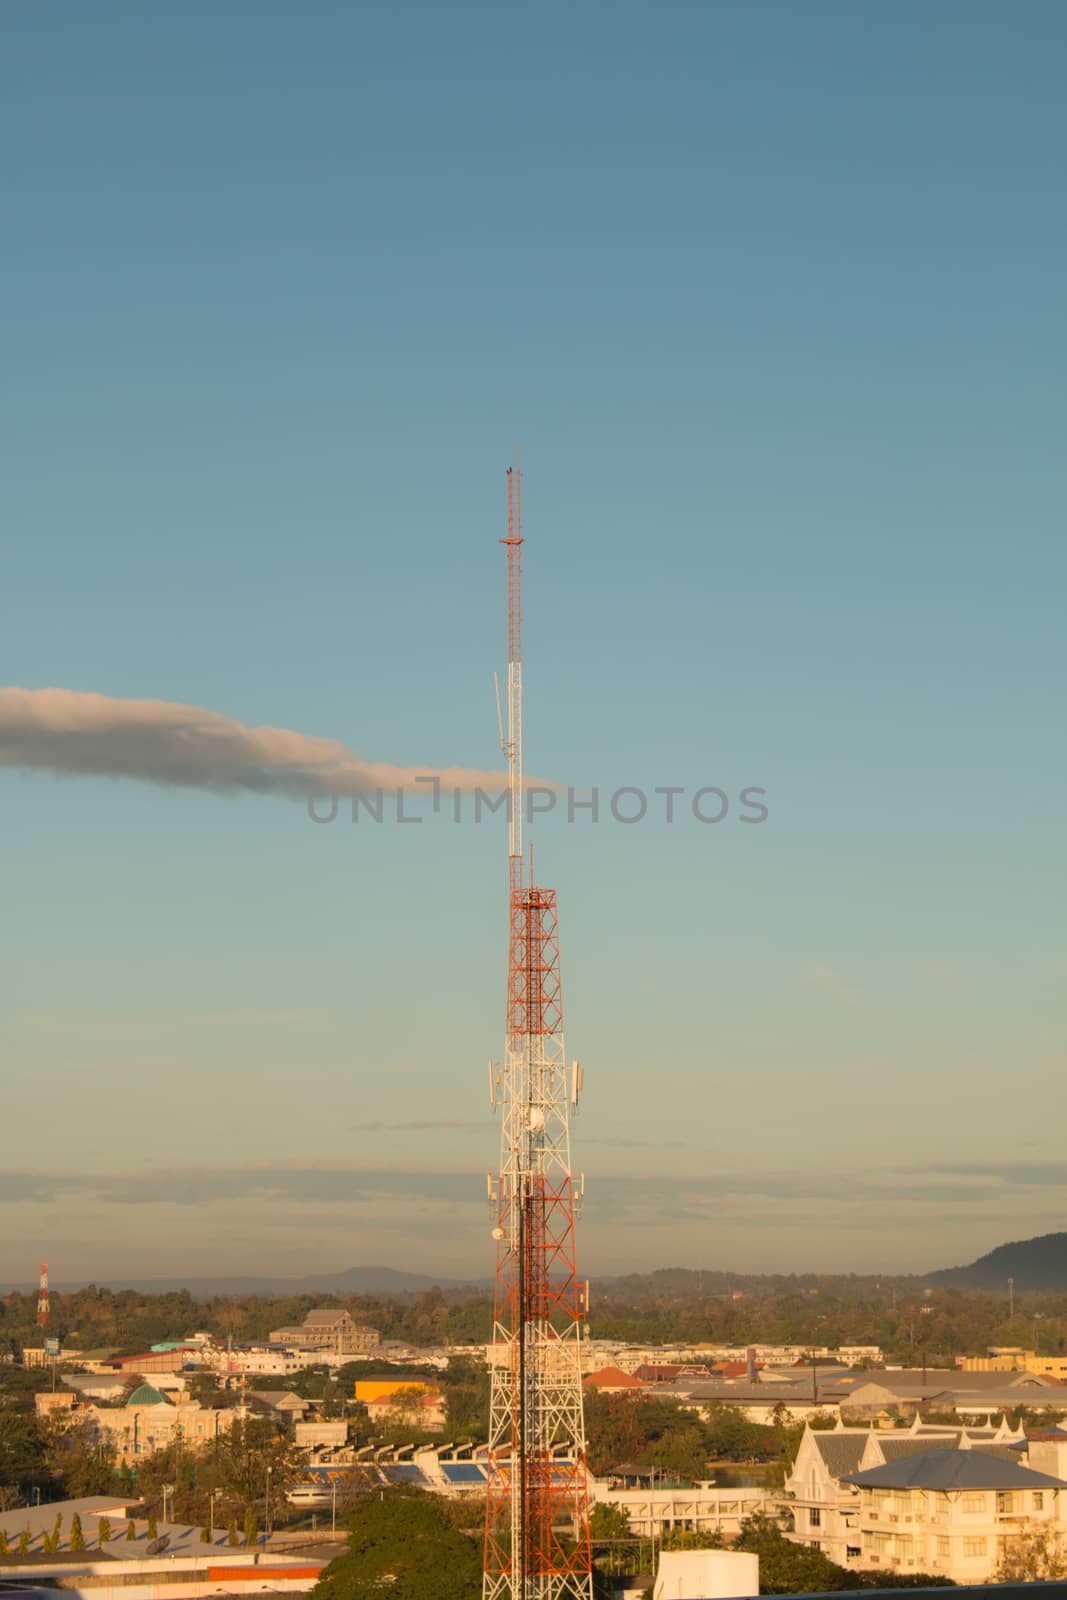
(205, 1537)
(80, 1461)
(22, 1451)
(1035, 1555)
(24, 1543)
(788, 1568)
(466, 1386)
(609, 1522)
(251, 1530)
(77, 1538)
(103, 1532)
(3, 1542)
(692, 1539)
(232, 1536)
(405, 1541)
(131, 1531)
(153, 1528)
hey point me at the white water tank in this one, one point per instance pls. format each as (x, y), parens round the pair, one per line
(706, 1575)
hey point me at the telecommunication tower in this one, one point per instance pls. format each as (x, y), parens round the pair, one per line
(42, 1297)
(537, 1510)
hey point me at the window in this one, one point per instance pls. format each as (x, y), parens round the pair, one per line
(974, 1502)
(1039, 1499)
(974, 1547)
(944, 1547)
(1005, 1502)
(815, 1517)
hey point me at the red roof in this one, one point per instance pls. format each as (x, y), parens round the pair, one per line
(612, 1378)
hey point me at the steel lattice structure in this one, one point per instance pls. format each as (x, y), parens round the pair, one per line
(537, 1513)
(42, 1297)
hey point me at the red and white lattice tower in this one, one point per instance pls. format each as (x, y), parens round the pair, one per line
(537, 1511)
(42, 1297)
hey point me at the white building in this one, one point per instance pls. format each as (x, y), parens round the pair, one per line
(824, 1502)
(706, 1575)
(951, 1513)
(705, 1508)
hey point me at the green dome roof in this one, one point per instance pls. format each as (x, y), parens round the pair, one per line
(147, 1396)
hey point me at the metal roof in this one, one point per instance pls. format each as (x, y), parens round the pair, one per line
(146, 1395)
(842, 1452)
(953, 1469)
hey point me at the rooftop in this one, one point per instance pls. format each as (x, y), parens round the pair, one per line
(953, 1469)
(146, 1395)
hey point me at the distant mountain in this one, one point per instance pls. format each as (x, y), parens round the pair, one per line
(356, 1280)
(1035, 1264)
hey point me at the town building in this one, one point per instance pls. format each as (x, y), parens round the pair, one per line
(409, 1405)
(331, 1330)
(171, 1358)
(281, 1404)
(612, 1380)
(1013, 1358)
(655, 1509)
(819, 1492)
(147, 1422)
(951, 1513)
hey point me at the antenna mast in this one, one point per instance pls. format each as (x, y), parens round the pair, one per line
(42, 1297)
(513, 743)
(537, 1510)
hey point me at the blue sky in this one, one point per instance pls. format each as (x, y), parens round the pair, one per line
(772, 296)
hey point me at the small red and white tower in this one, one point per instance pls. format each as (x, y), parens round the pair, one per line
(537, 1511)
(42, 1297)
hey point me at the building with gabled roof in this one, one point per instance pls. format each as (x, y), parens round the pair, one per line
(819, 1492)
(951, 1513)
(329, 1329)
(612, 1380)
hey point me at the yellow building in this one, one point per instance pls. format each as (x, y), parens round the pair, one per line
(147, 1422)
(1012, 1358)
(368, 1389)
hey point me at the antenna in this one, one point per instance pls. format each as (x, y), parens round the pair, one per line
(536, 1474)
(513, 747)
(499, 717)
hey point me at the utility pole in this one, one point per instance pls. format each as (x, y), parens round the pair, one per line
(537, 1510)
(1011, 1298)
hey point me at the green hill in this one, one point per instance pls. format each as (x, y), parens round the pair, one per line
(1035, 1264)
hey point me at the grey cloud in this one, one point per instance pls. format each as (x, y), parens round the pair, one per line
(70, 733)
(1026, 1174)
(779, 1197)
